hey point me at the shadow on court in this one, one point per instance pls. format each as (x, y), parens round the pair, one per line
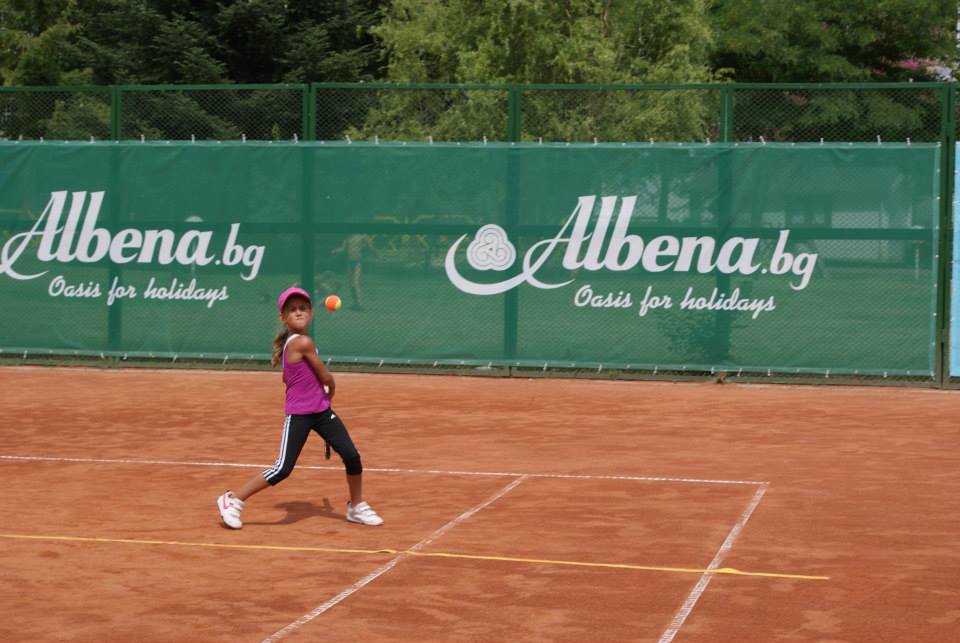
(301, 510)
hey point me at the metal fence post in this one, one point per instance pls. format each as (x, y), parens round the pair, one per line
(307, 237)
(514, 113)
(726, 113)
(116, 107)
(115, 312)
(114, 270)
(511, 303)
(948, 142)
(309, 126)
(721, 327)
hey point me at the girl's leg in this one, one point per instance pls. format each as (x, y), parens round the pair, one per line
(296, 428)
(355, 484)
(335, 433)
(254, 485)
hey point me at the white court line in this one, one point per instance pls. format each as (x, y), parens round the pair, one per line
(667, 636)
(505, 474)
(306, 618)
(705, 578)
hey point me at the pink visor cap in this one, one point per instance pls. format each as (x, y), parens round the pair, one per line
(290, 292)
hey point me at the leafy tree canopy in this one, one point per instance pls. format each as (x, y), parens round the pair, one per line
(50, 42)
(103, 42)
(833, 40)
(44, 42)
(544, 41)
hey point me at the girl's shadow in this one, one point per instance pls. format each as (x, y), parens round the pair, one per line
(300, 510)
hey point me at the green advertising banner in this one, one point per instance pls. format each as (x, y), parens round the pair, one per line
(790, 258)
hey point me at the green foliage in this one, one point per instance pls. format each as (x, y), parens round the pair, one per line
(175, 115)
(34, 42)
(473, 41)
(620, 115)
(833, 40)
(180, 52)
(836, 41)
(538, 41)
(125, 42)
(418, 114)
(80, 114)
(252, 35)
(114, 44)
(43, 59)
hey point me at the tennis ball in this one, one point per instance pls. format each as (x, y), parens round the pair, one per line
(332, 303)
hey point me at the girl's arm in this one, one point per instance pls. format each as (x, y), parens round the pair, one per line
(307, 350)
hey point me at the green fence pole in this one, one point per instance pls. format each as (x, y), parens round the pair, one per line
(511, 303)
(309, 113)
(720, 346)
(115, 312)
(307, 240)
(514, 113)
(114, 270)
(944, 250)
(726, 114)
(116, 107)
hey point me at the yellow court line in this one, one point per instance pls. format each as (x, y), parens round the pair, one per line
(646, 568)
(339, 550)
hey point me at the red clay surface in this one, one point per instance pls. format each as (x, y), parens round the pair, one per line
(109, 530)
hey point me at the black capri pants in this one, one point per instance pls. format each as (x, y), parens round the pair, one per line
(296, 429)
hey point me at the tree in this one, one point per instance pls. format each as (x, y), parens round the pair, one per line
(833, 40)
(34, 48)
(539, 41)
(45, 42)
(125, 42)
(810, 41)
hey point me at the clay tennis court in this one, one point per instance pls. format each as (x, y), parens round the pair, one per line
(515, 509)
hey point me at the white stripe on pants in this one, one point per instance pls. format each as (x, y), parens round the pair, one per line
(272, 471)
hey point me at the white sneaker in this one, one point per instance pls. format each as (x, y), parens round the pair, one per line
(230, 507)
(363, 514)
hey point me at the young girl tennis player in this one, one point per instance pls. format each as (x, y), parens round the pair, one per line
(310, 389)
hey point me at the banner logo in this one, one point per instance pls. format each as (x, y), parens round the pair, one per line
(491, 249)
(78, 239)
(608, 246)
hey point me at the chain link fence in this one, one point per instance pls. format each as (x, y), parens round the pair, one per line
(270, 113)
(411, 114)
(58, 113)
(603, 114)
(576, 114)
(795, 114)
(888, 112)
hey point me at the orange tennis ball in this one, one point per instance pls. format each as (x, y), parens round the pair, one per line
(332, 303)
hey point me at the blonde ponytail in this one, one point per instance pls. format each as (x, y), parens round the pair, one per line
(278, 343)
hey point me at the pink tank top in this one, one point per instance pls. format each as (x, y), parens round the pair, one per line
(305, 393)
